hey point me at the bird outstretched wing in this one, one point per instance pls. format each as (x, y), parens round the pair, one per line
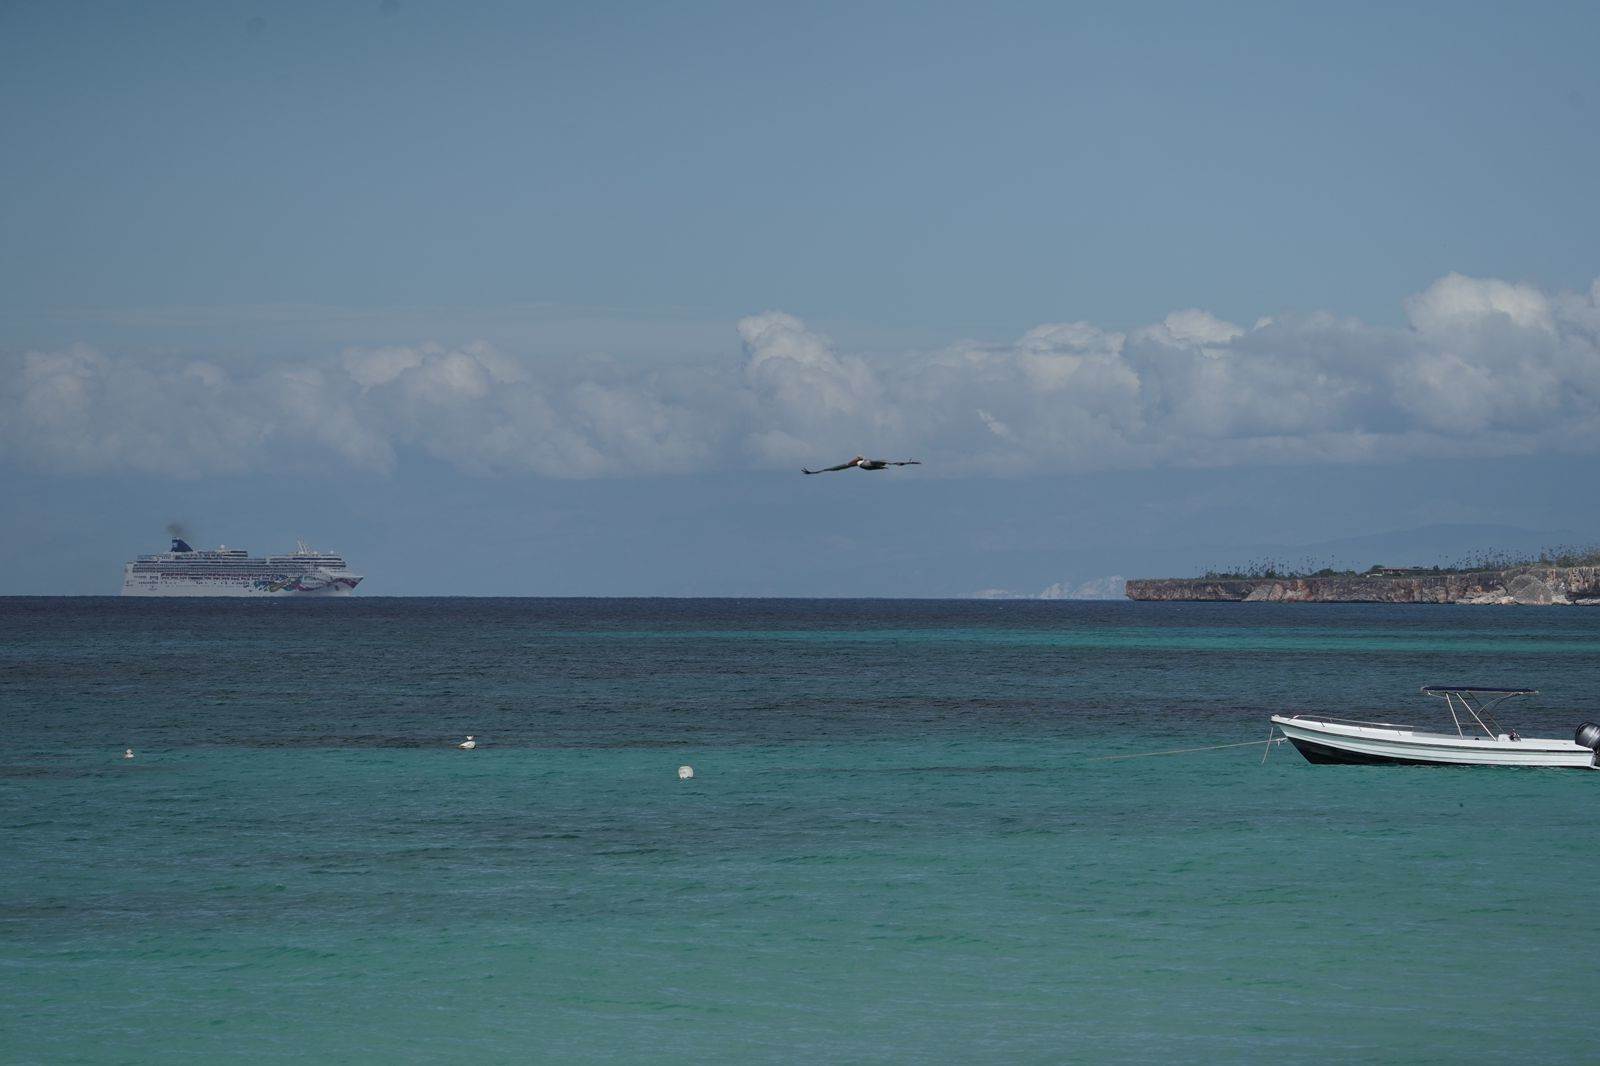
(828, 469)
(904, 462)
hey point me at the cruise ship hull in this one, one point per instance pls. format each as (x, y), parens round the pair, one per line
(185, 587)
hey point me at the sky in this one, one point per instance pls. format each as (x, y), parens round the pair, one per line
(557, 299)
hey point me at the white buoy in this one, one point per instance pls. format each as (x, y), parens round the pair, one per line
(685, 772)
(468, 744)
(128, 754)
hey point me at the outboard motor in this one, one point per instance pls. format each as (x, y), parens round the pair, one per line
(1588, 735)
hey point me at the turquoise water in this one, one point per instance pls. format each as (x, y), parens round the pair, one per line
(897, 844)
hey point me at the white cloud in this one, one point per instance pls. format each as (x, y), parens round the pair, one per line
(1455, 301)
(1483, 367)
(802, 396)
(997, 427)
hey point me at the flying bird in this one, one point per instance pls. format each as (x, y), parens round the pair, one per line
(861, 463)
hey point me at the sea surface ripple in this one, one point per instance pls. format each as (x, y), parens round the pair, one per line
(898, 843)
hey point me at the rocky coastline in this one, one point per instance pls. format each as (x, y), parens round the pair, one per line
(1517, 585)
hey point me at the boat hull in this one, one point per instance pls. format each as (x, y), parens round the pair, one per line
(1327, 754)
(1322, 741)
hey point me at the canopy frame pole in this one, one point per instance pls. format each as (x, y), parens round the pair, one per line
(1479, 713)
(1487, 714)
(1477, 704)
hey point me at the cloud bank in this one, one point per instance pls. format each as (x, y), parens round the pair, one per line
(1483, 367)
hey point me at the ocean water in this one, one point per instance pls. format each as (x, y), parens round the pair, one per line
(898, 844)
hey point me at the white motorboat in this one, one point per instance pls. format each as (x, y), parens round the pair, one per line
(1478, 739)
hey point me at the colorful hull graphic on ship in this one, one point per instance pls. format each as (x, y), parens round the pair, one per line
(307, 583)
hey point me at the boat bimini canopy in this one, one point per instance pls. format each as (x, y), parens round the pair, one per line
(1475, 704)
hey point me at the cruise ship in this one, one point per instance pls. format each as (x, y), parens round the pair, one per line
(226, 571)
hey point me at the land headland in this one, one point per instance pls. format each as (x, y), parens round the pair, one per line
(1526, 584)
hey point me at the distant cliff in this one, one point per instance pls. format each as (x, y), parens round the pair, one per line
(1522, 584)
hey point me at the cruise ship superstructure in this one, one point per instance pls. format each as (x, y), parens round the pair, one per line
(225, 571)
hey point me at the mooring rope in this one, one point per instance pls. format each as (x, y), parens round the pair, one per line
(1185, 751)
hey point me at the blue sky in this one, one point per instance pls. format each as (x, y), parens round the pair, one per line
(610, 273)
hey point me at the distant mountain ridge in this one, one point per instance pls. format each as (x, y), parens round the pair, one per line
(1522, 585)
(1441, 544)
